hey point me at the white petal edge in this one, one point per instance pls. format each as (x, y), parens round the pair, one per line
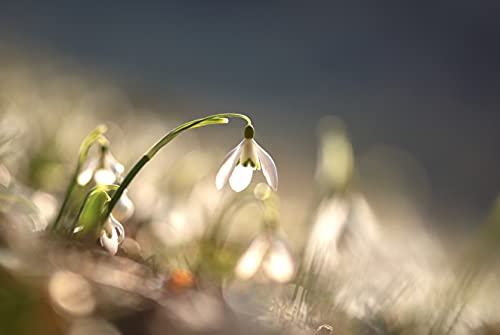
(268, 167)
(227, 166)
(241, 177)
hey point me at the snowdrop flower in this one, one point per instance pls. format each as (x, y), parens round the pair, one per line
(112, 234)
(104, 169)
(269, 252)
(239, 164)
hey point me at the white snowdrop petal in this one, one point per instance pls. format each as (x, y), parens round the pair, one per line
(104, 177)
(84, 177)
(241, 177)
(118, 227)
(251, 260)
(279, 265)
(227, 166)
(268, 167)
(114, 165)
(87, 171)
(124, 208)
(109, 243)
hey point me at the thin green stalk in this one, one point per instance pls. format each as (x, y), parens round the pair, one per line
(209, 120)
(67, 195)
(94, 136)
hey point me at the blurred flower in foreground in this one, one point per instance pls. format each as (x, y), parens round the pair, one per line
(104, 169)
(272, 254)
(112, 235)
(343, 223)
(344, 219)
(239, 164)
(330, 224)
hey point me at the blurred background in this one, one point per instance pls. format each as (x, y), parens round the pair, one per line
(422, 76)
(402, 96)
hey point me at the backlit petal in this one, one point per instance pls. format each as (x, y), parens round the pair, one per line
(227, 166)
(278, 264)
(268, 167)
(104, 177)
(241, 177)
(251, 260)
(124, 208)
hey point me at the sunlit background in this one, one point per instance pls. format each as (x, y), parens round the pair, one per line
(382, 119)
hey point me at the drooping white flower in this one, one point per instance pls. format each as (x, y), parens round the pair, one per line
(269, 253)
(104, 169)
(239, 164)
(112, 234)
(343, 224)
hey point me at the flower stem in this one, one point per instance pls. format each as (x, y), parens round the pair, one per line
(148, 155)
(94, 136)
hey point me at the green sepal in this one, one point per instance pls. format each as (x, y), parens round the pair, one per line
(91, 216)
